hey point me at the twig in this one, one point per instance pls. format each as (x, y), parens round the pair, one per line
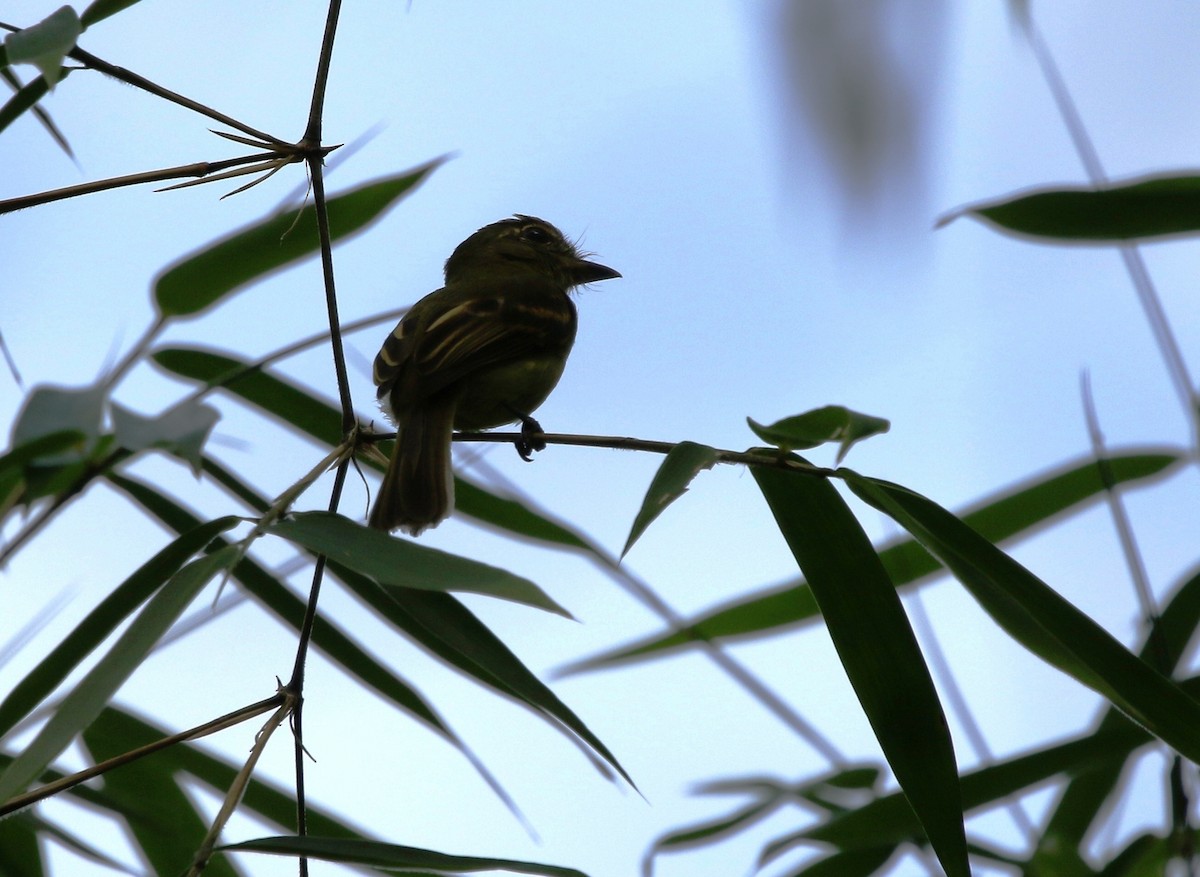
(765, 457)
(1135, 265)
(12, 805)
(238, 788)
(196, 169)
(131, 78)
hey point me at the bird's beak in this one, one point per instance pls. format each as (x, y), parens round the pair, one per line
(583, 271)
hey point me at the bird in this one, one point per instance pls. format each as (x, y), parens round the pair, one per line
(484, 350)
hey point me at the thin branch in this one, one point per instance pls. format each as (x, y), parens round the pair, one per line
(196, 169)
(131, 78)
(936, 657)
(12, 805)
(237, 789)
(765, 457)
(1129, 548)
(1135, 265)
(316, 110)
(312, 140)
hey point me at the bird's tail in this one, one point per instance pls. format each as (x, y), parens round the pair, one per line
(418, 489)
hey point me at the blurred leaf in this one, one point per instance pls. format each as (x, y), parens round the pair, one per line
(49, 410)
(20, 853)
(1038, 618)
(45, 44)
(710, 832)
(327, 637)
(164, 823)
(117, 730)
(67, 840)
(1137, 209)
(299, 407)
(109, 614)
(93, 692)
(25, 98)
(272, 594)
(49, 446)
(682, 463)
(390, 856)
(767, 795)
(1083, 800)
(1147, 855)
(833, 423)
(450, 631)
(180, 431)
(204, 278)
(508, 514)
(877, 648)
(283, 400)
(25, 460)
(403, 563)
(890, 820)
(851, 863)
(1014, 511)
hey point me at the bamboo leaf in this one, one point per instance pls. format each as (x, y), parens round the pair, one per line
(683, 463)
(403, 563)
(201, 280)
(1038, 618)
(1142, 208)
(877, 648)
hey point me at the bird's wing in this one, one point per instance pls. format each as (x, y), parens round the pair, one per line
(441, 342)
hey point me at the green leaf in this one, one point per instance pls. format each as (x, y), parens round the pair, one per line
(683, 463)
(204, 278)
(710, 832)
(450, 631)
(109, 614)
(890, 820)
(390, 856)
(272, 594)
(1012, 512)
(877, 648)
(45, 447)
(403, 563)
(850, 863)
(1083, 800)
(1137, 209)
(116, 730)
(98, 10)
(327, 637)
(1037, 617)
(833, 423)
(290, 403)
(34, 454)
(93, 692)
(163, 821)
(180, 431)
(20, 853)
(25, 99)
(45, 44)
(507, 514)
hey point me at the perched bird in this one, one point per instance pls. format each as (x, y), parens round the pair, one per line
(484, 350)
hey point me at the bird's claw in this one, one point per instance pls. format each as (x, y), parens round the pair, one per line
(531, 438)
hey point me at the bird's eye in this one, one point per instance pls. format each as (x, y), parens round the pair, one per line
(535, 234)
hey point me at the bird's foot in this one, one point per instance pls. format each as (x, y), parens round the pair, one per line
(531, 438)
